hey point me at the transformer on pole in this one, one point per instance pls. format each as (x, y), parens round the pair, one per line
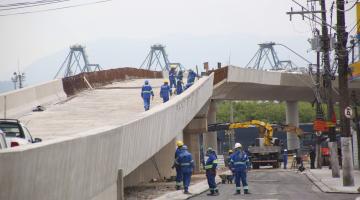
(73, 62)
(157, 57)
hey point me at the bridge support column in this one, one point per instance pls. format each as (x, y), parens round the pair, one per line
(210, 138)
(292, 117)
(193, 143)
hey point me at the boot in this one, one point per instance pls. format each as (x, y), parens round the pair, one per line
(237, 192)
(212, 193)
(246, 191)
(217, 191)
(178, 187)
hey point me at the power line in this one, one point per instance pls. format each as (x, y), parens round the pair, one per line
(35, 5)
(53, 9)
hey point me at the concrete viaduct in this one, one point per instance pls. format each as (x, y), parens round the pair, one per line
(119, 144)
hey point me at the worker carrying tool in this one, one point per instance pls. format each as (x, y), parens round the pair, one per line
(240, 162)
(191, 78)
(187, 165)
(172, 76)
(165, 91)
(210, 167)
(146, 93)
(177, 167)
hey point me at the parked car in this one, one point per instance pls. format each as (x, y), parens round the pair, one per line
(3, 144)
(16, 133)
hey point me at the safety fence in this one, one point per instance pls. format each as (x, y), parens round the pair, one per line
(80, 82)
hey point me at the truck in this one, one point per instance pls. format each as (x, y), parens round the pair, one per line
(267, 149)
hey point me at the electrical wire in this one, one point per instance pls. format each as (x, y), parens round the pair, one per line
(27, 3)
(34, 5)
(53, 9)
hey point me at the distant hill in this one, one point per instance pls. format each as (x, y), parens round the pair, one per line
(6, 86)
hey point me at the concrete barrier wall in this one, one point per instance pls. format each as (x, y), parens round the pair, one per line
(243, 75)
(85, 165)
(16, 103)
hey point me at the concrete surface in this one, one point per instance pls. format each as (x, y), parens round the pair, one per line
(92, 109)
(85, 165)
(250, 84)
(270, 184)
(16, 103)
(322, 178)
(195, 190)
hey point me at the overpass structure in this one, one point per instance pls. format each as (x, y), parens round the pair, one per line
(91, 161)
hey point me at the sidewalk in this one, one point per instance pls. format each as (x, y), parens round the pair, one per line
(195, 190)
(322, 178)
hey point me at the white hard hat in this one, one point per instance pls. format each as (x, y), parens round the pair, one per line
(285, 149)
(238, 145)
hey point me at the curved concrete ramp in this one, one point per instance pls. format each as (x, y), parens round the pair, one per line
(84, 165)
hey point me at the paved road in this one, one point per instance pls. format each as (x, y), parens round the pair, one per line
(270, 184)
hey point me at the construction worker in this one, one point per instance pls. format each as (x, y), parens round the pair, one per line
(239, 161)
(179, 87)
(187, 165)
(177, 167)
(172, 76)
(285, 158)
(191, 78)
(165, 91)
(210, 167)
(146, 93)
(231, 177)
(180, 75)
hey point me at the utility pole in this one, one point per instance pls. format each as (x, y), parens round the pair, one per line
(343, 70)
(325, 49)
(319, 111)
(329, 93)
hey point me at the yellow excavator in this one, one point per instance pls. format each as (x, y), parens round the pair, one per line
(267, 151)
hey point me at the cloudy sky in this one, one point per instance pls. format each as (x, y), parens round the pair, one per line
(119, 32)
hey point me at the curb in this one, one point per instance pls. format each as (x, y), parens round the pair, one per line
(323, 187)
(196, 190)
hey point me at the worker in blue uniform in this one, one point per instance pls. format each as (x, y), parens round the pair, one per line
(172, 76)
(180, 75)
(285, 158)
(191, 78)
(239, 161)
(210, 167)
(187, 165)
(179, 87)
(146, 93)
(177, 167)
(165, 91)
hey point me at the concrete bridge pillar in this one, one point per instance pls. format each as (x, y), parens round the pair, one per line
(193, 143)
(210, 138)
(292, 117)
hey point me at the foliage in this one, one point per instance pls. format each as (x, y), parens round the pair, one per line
(273, 112)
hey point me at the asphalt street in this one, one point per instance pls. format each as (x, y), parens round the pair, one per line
(277, 184)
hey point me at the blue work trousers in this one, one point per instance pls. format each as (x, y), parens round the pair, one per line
(240, 176)
(165, 98)
(178, 176)
(211, 181)
(186, 180)
(285, 163)
(146, 103)
(172, 82)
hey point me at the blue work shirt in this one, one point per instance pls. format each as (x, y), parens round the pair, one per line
(165, 91)
(179, 87)
(211, 162)
(185, 161)
(180, 75)
(191, 77)
(146, 92)
(172, 74)
(239, 161)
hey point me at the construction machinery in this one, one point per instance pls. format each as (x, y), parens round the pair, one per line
(267, 150)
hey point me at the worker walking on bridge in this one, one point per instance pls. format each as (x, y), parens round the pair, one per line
(176, 165)
(191, 78)
(210, 167)
(172, 76)
(165, 91)
(146, 93)
(239, 162)
(187, 165)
